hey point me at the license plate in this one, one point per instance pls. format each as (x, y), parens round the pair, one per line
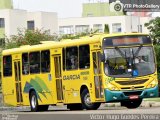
(133, 97)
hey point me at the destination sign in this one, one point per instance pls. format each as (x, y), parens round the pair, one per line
(126, 40)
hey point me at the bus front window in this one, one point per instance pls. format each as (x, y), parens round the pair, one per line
(129, 62)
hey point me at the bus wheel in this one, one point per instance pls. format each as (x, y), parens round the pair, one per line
(86, 101)
(77, 106)
(33, 101)
(132, 104)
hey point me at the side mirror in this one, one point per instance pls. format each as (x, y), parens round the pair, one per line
(102, 57)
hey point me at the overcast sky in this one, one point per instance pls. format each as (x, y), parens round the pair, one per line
(64, 8)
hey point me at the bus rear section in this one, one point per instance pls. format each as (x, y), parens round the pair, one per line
(129, 69)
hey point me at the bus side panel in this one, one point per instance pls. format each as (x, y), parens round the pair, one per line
(71, 87)
(9, 92)
(8, 88)
(73, 81)
(25, 95)
(41, 83)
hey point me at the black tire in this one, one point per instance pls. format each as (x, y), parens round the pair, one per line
(86, 104)
(77, 106)
(132, 104)
(34, 103)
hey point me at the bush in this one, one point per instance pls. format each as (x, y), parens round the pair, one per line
(157, 53)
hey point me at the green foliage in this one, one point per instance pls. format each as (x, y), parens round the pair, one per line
(157, 51)
(0, 85)
(82, 34)
(29, 37)
(33, 37)
(154, 28)
(106, 28)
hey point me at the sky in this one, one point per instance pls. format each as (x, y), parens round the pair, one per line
(64, 8)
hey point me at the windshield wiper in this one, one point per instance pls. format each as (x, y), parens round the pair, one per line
(120, 52)
(136, 53)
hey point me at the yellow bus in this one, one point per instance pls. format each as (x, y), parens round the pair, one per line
(81, 73)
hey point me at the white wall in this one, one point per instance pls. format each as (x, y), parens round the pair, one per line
(14, 19)
(144, 20)
(128, 23)
(44, 20)
(94, 20)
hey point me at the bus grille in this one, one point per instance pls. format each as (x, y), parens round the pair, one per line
(132, 93)
(132, 82)
(136, 87)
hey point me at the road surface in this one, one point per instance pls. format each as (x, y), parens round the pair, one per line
(103, 113)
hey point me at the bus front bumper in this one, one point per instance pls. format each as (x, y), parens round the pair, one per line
(111, 96)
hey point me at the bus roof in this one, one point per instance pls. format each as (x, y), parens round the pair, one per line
(64, 43)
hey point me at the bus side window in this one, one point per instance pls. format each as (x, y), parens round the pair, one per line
(71, 58)
(45, 61)
(84, 57)
(25, 64)
(7, 65)
(34, 60)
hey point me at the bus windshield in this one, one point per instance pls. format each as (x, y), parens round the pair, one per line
(129, 62)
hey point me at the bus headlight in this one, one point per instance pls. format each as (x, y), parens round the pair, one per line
(152, 84)
(112, 87)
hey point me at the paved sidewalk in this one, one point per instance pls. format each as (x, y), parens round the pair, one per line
(145, 103)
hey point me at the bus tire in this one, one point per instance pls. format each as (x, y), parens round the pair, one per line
(86, 103)
(77, 106)
(33, 102)
(132, 104)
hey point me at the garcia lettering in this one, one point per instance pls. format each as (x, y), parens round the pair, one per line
(71, 77)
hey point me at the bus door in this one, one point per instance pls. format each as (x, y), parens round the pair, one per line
(58, 77)
(17, 72)
(97, 74)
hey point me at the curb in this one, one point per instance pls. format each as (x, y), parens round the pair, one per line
(2, 108)
(143, 104)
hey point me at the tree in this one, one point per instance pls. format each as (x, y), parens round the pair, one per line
(154, 28)
(157, 51)
(78, 35)
(29, 37)
(106, 28)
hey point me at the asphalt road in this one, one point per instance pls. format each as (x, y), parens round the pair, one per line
(104, 113)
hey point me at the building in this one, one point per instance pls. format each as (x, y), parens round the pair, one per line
(116, 24)
(12, 19)
(95, 17)
(6, 4)
(98, 9)
(98, 13)
(43, 20)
